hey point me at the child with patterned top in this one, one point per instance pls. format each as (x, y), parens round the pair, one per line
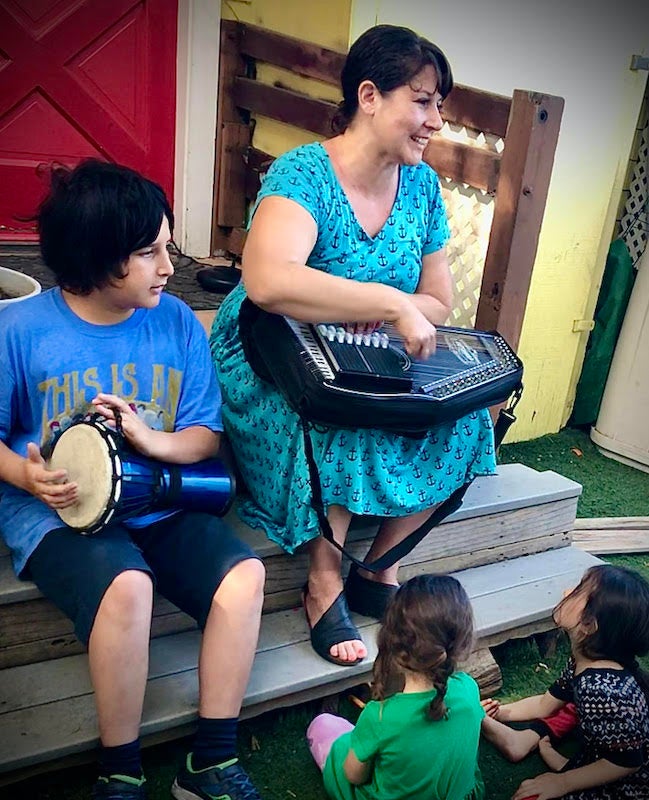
(418, 738)
(606, 618)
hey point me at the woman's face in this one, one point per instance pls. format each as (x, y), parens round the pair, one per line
(405, 118)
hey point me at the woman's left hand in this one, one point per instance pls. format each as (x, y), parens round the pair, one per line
(136, 431)
(544, 787)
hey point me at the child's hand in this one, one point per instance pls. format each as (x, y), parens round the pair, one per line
(49, 486)
(552, 757)
(137, 432)
(544, 787)
(491, 707)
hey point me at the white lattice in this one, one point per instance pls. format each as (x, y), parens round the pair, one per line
(635, 220)
(470, 214)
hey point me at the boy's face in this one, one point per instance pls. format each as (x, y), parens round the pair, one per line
(145, 275)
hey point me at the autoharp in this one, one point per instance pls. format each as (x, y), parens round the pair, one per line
(352, 381)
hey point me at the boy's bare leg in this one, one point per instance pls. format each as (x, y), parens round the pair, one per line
(513, 744)
(118, 652)
(230, 640)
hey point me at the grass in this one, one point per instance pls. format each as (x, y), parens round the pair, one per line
(272, 746)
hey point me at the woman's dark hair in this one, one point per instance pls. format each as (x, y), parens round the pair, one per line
(614, 625)
(427, 629)
(95, 216)
(390, 56)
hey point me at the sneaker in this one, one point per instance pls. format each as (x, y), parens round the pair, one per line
(226, 781)
(119, 787)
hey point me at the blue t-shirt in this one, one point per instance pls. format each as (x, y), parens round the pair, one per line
(52, 364)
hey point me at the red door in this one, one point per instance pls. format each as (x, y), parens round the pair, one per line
(83, 78)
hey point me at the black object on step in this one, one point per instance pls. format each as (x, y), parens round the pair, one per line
(219, 280)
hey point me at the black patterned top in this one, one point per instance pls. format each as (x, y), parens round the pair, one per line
(614, 722)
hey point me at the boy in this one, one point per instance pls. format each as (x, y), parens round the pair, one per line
(107, 339)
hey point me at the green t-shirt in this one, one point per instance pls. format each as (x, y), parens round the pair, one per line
(414, 758)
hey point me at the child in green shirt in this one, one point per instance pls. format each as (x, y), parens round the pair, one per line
(418, 738)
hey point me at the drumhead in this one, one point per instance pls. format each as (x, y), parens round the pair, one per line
(89, 455)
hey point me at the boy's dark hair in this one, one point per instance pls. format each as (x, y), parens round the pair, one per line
(615, 619)
(390, 56)
(95, 216)
(427, 629)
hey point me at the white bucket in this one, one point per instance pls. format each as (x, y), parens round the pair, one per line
(17, 285)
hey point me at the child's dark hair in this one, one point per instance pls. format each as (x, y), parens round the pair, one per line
(427, 629)
(615, 620)
(390, 56)
(95, 216)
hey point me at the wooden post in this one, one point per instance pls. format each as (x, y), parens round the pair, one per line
(232, 141)
(525, 170)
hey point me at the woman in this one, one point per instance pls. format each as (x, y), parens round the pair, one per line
(351, 231)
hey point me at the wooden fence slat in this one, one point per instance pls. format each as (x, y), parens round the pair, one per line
(464, 163)
(295, 55)
(478, 110)
(285, 105)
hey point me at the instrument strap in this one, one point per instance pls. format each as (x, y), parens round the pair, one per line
(505, 420)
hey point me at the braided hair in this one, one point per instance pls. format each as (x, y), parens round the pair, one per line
(427, 629)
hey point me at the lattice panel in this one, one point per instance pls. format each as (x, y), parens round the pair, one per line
(470, 214)
(635, 220)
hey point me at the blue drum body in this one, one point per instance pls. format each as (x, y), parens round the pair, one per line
(117, 484)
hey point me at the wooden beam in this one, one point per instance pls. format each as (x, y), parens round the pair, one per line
(464, 163)
(234, 141)
(525, 170)
(285, 105)
(295, 55)
(481, 111)
(231, 64)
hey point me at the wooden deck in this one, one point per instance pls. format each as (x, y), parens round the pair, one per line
(509, 544)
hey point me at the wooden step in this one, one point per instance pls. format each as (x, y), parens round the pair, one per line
(47, 710)
(517, 512)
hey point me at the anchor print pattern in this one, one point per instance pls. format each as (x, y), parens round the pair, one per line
(367, 471)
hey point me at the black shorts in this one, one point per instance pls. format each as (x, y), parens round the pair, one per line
(187, 557)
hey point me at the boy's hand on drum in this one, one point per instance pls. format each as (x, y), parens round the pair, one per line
(136, 431)
(49, 486)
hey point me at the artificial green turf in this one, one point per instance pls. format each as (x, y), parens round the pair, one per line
(610, 489)
(273, 748)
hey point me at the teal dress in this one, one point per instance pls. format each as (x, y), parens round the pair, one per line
(369, 472)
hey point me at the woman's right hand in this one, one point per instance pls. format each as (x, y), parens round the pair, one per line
(49, 486)
(418, 334)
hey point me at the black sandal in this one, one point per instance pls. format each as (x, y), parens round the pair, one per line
(333, 627)
(366, 597)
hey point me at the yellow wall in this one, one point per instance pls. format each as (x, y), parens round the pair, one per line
(324, 22)
(581, 52)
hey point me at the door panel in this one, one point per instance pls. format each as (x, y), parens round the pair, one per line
(82, 78)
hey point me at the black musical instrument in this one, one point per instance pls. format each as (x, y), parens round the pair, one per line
(334, 378)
